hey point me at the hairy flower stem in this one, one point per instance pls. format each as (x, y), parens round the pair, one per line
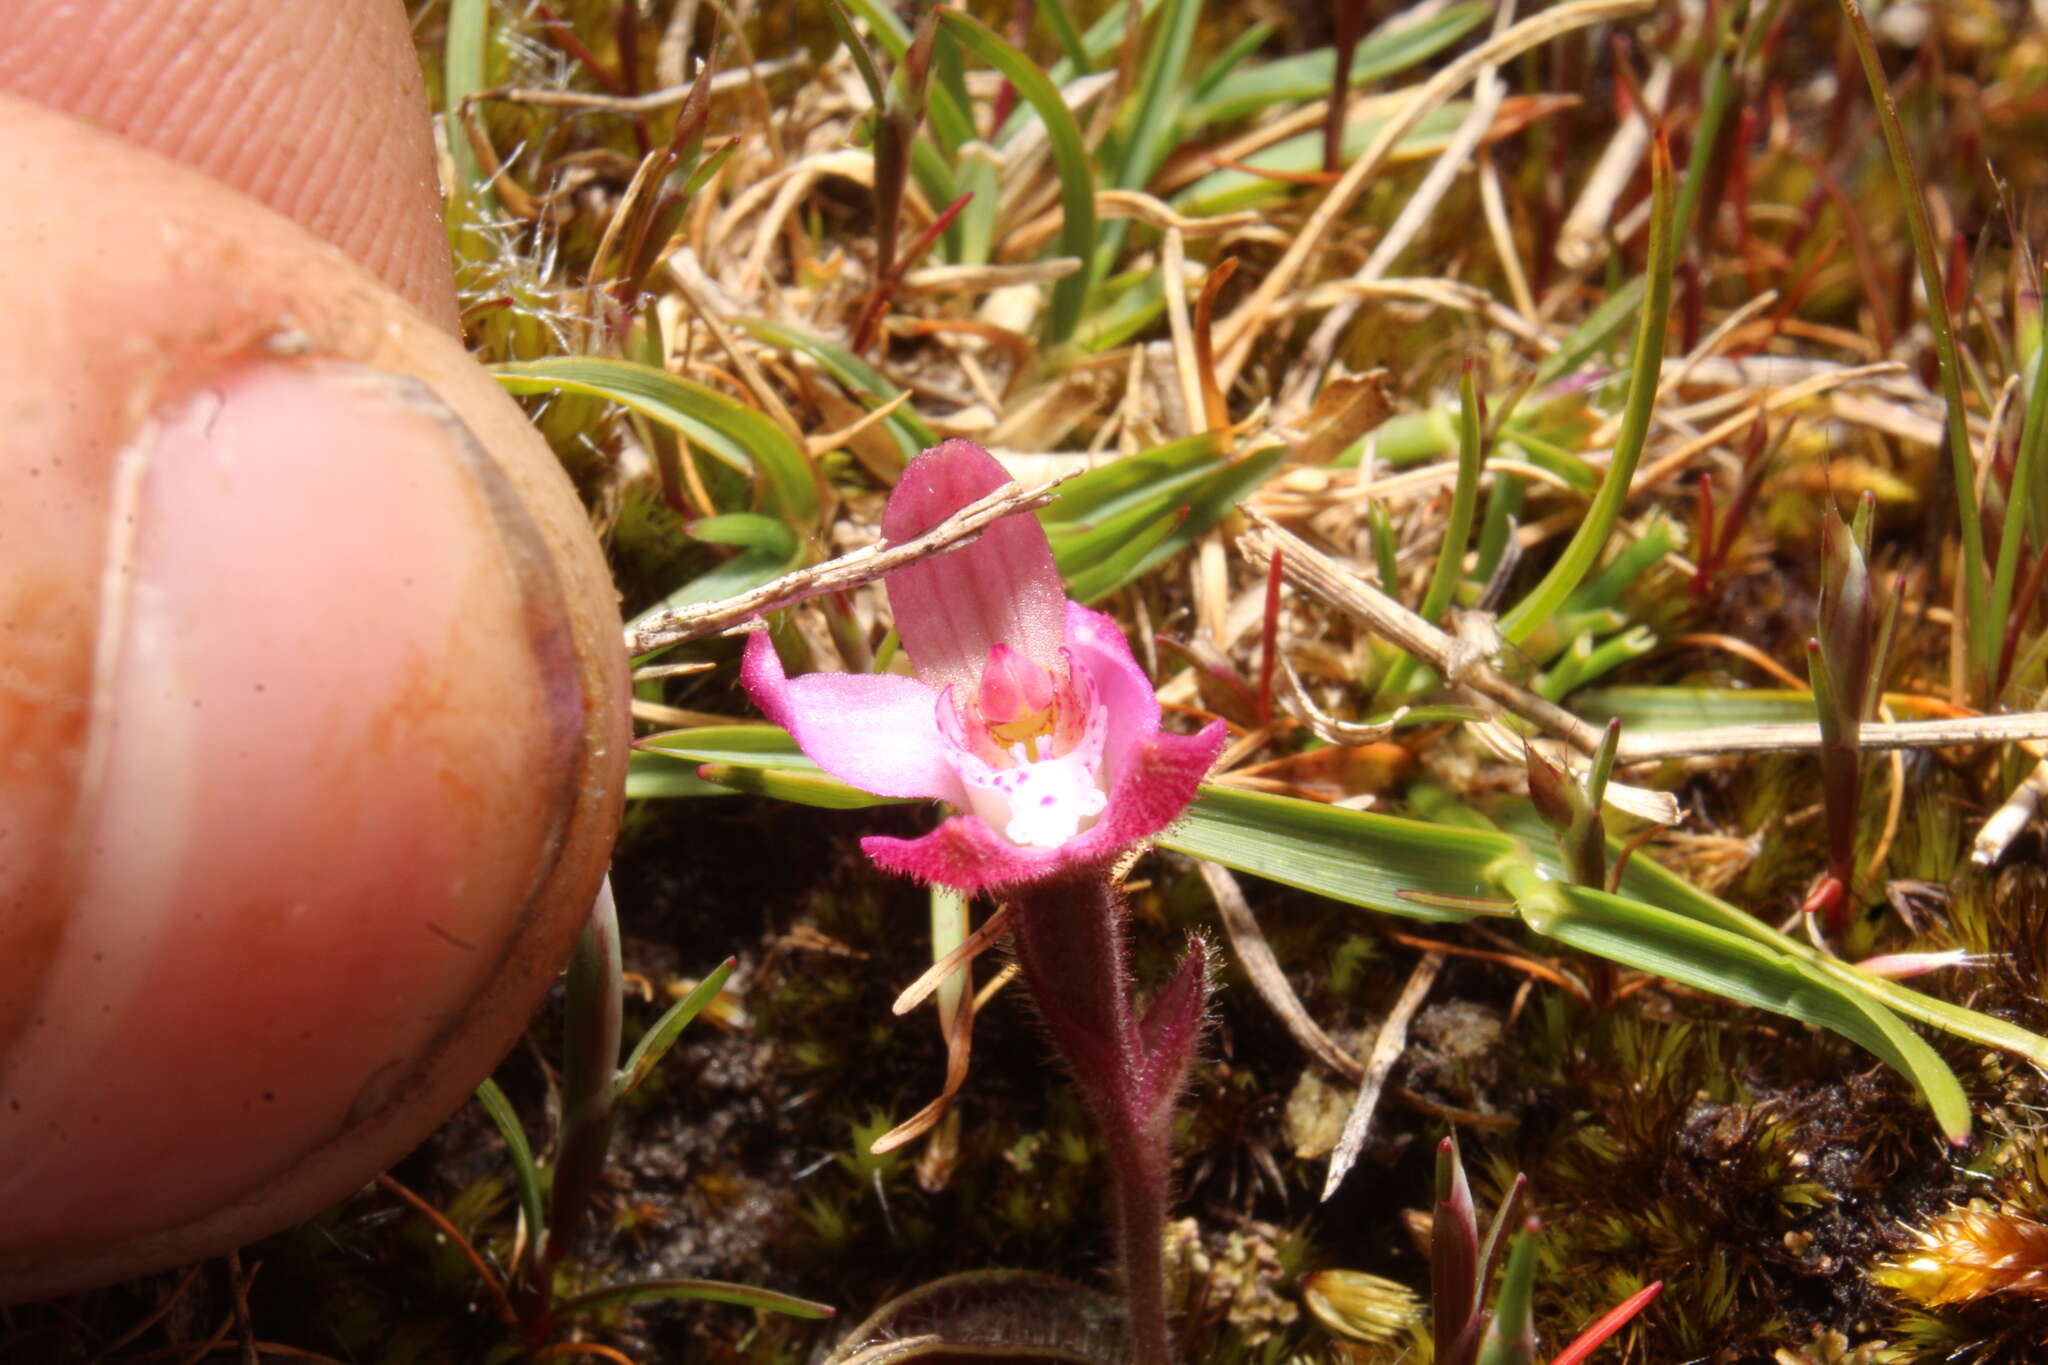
(1070, 943)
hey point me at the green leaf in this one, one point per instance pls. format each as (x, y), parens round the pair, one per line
(1591, 335)
(1158, 520)
(769, 550)
(1523, 619)
(1060, 19)
(661, 1036)
(758, 760)
(753, 745)
(1511, 1335)
(655, 777)
(800, 788)
(1231, 62)
(1359, 857)
(1159, 95)
(860, 379)
(1229, 190)
(1738, 968)
(1070, 160)
(951, 123)
(725, 427)
(1661, 710)
(1246, 90)
(863, 60)
(712, 1291)
(462, 75)
(525, 1175)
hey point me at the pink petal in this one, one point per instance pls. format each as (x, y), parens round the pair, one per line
(1155, 787)
(876, 731)
(1002, 589)
(964, 853)
(1121, 687)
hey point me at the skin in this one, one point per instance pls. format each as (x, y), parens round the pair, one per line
(311, 695)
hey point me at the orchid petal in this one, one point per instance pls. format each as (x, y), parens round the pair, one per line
(1122, 690)
(952, 609)
(1160, 778)
(965, 854)
(1155, 784)
(875, 731)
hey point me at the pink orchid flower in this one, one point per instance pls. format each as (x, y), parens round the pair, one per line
(1027, 714)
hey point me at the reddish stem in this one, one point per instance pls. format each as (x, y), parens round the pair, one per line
(1269, 654)
(1350, 22)
(870, 320)
(1070, 943)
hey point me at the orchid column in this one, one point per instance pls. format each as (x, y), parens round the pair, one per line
(1030, 718)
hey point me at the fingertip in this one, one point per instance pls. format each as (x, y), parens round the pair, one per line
(314, 108)
(334, 753)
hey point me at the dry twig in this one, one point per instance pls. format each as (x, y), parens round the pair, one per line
(848, 571)
(1386, 1050)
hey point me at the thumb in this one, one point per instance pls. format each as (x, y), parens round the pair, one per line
(313, 707)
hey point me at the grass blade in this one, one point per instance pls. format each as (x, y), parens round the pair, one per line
(1070, 160)
(661, 1036)
(1578, 558)
(1358, 857)
(710, 1291)
(1241, 91)
(525, 1175)
(1983, 630)
(722, 425)
(1739, 968)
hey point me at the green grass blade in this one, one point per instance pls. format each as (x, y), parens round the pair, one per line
(799, 788)
(755, 745)
(660, 777)
(710, 1291)
(1060, 19)
(462, 75)
(757, 760)
(1159, 94)
(950, 122)
(1070, 160)
(1737, 968)
(2033, 435)
(1358, 857)
(1230, 190)
(722, 425)
(1983, 631)
(1230, 61)
(1108, 553)
(769, 550)
(1104, 36)
(861, 379)
(863, 60)
(525, 1175)
(1649, 881)
(1239, 91)
(662, 1034)
(1450, 559)
(1589, 336)
(1150, 480)
(1580, 555)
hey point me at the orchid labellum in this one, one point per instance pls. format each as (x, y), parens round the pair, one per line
(1030, 718)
